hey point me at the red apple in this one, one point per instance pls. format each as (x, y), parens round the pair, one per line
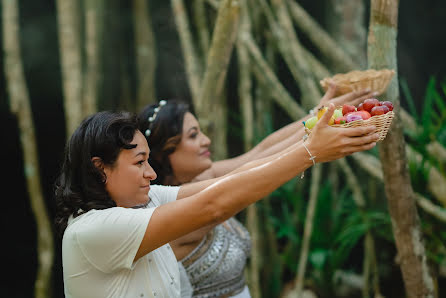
(360, 107)
(388, 104)
(364, 114)
(379, 110)
(348, 109)
(369, 104)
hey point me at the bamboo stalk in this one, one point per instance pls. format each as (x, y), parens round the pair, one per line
(93, 26)
(20, 106)
(292, 52)
(308, 228)
(264, 74)
(68, 16)
(246, 107)
(193, 68)
(429, 207)
(223, 39)
(210, 100)
(319, 70)
(352, 182)
(201, 24)
(145, 53)
(320, 38)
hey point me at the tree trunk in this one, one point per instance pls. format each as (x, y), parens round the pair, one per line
(210, 100)
(401, 198)
(21, 108)
(145, 53)
(247, 111)
(93, 37)
(193, 67)
(71, 61)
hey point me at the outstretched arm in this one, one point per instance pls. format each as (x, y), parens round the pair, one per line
(212, 202)
(282, 138)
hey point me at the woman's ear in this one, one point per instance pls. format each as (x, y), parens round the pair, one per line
(97, 162)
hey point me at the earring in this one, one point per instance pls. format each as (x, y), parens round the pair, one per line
(104, 179)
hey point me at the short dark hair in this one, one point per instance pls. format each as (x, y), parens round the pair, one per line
(80, 186)
(165, 134)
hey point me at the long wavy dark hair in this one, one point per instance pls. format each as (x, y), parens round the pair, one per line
(80, 186)
(165, 134)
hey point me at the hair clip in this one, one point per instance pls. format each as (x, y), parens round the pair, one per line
(152, 118)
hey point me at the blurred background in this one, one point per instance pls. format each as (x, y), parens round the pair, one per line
(81, 56)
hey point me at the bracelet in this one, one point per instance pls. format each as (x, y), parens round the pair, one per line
(312, 157)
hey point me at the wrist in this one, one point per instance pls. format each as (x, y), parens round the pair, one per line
(310, 158)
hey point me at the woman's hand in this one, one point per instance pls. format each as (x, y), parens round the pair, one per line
(353, 98)
(329, 143)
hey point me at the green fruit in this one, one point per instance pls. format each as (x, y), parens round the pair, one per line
(310, 123)
(337, 113)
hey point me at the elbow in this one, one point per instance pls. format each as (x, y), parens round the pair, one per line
(215, 213)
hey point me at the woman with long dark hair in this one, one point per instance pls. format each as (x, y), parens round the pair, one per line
(214, 257)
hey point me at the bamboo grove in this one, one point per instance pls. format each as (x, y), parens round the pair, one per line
(306, 233)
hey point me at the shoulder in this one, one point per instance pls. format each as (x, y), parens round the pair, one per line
(162, 194)
(110, 220)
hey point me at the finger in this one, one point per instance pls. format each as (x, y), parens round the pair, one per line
(327, 115)
(365, 147)
(360, 141)
(358, 131)
(330, 91)
(348, 97)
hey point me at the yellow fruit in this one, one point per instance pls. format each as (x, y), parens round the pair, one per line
(331, 122)
(321, 112)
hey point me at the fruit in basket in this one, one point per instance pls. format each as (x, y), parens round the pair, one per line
(341, 120)
(353, 117)
(387, 104)
(311, 122)
(360, 107)
(364, 114)
(321, 112)
(337, 113)
(370, 103)
(379, 110)
(348, 109)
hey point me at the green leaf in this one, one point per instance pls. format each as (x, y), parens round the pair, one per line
(408, 97)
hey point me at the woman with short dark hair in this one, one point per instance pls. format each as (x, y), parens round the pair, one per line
(117, 227)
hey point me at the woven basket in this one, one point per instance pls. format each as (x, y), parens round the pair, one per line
(376, 80)
(382, 123)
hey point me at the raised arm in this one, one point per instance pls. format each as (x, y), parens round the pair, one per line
(211, 202)
(282, 138)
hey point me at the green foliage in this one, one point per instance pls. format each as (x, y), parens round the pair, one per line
(431, 120)
(339, 226)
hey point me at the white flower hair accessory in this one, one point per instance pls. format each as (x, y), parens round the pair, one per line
(152, 118)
